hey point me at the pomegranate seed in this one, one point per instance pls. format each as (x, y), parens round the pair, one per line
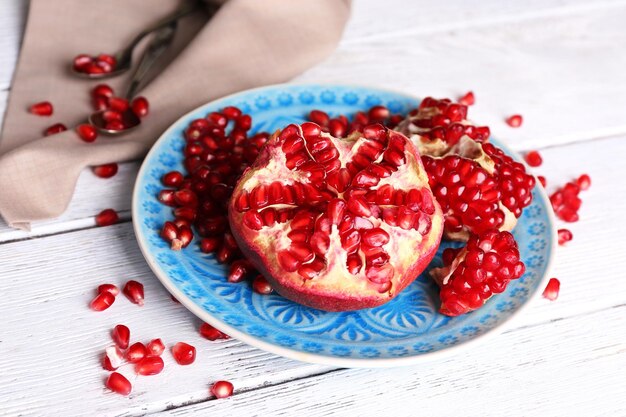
(172, 179)
(102, 90)
(238, 270)
(209, 244)
(54, 129)
(133, 290)
(81, 62)
(109, 288)
(211, 333)
(119, 384)
(184, 353)
(552, 289)
(118, 104)
(564, 236)
(150, 365)
(584, 182)
(231, 112)
(113, 358)
(107, 217)
(542, 180)
(140, 106)
(136, 352)
(155, 347)
(533, 158)
(100, 103)
(467, 99)
(244, 122)
(121, 336)
(514, 121)
(87, 132)
(43, 108)
(261, 286)
(102, 301)
(222, 389)
(106, 170)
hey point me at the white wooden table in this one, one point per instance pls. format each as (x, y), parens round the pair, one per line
(561, 64)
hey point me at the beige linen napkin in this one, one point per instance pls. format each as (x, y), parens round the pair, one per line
(247, 43)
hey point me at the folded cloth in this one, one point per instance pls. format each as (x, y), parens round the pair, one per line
(247, 43)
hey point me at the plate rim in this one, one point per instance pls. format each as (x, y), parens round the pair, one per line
(308, 356)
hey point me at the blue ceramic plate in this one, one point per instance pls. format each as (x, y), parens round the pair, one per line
(404, 331)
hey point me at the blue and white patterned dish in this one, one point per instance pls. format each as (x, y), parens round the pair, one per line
(404, 331)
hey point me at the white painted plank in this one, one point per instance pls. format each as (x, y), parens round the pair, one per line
(12, 20)
(572, 367)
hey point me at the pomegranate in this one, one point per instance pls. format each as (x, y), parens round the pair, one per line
(107, 217)
(336, 224)
(566, 203)
(471, 275)
(150, 365)
(565, 235)
(211, 333)
(341, 126)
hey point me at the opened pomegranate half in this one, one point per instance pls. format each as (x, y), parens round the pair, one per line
(337, 224)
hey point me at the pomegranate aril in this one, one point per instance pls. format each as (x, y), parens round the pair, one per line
(467, 99)
(121, 336)
(136, 352)
(43, 108)
(211, 333)
(113, 358)
(222, 389)
(542, 180)
(109, 288)
(514, 120)
(551, 292)
(155, 347)
(106, 170)
(140, 106)
(54, 129)
(133, 290)
(533, 158)
(118, 104)
(564, 236)
(239, 269)
(261, 286)
(183, 353)
(102, 90)
(106, 217)
(172, 179)
(115, 125)
(150, 365)
(584, 182)
(102, 301)
(231, 112)
(87, 132)
(119, 384)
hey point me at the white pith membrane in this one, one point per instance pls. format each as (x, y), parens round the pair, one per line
(404, 246)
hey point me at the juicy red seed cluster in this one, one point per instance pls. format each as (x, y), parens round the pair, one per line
(491, 260)
(443, 119)
(466, 192)
(566, 203)
(113, 107)
(100, 64)
(341, 126)
(514, 183)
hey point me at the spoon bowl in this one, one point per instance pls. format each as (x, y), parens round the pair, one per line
(129, 119)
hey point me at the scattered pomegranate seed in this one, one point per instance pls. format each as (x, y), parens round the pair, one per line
(109, 288)
(515, 120)
(584, 182)
(118, 383)
(87, 132)
(564, 236)
(133, 290)
(106, 170)
(533, 158)
(209, 332)
(136, 352)
(107, 217)
(54, 129)
(140, 106)
(552, 289)
(102, 90)
(261, 286)
(222, 389)
(43, 108)
(113, 358)
(121, 336)
(184, 353)
(467, 99)
(542, 180)
(155, 347)
(102, 301)
(150, 365)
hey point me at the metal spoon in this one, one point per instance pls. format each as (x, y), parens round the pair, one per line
(157, 46)
(125, 56)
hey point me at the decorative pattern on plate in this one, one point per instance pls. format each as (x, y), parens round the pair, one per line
(407, 328)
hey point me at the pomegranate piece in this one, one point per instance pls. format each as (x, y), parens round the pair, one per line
(184, 353)
(482, 268)
(140, 106)
(105, 171)
(211, 333)
(155, 347)
(514, 121)
(102, 301)
(121, 336)
(119, 384)
(564, 236)
(551, 291)
(87, 132)
(467, 99)
(54, 129)
(109, 288)
(300, 213)
(150, 365)
(133, 290)
(107, 217)
(113, 358)
(136, 352)
(533, 158)
(43, 108)
(222, 389)
(584, 182)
